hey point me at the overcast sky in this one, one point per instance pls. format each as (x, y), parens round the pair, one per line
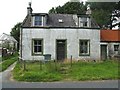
(14, 11)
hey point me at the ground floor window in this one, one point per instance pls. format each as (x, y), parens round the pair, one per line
(84, 47)
(116, 47)
(37, 46)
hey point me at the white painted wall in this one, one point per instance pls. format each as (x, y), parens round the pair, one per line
(49, 41)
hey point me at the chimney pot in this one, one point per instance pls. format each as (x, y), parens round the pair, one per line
(29, 9)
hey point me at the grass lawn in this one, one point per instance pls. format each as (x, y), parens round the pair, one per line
(64, 72)
(6, 63)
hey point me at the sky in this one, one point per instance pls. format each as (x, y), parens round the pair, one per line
(14, 11)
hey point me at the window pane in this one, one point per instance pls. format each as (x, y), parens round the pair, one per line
(35, 49)
(116, 47)
(39, 42)
(86, 43)
(38, 20)
(81, 49)
(39, 49)
(38, 23)
(83, 19)
(35, 42)
(81, 43)
(85, 24)
(37, 46)
(84, 47)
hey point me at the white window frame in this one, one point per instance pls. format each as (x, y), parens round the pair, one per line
(42, 22)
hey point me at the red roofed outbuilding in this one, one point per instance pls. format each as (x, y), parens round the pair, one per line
(110, 43)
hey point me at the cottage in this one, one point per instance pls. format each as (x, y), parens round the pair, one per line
(110, 43)
(59, 35)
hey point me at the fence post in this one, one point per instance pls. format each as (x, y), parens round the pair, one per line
(71, 61)
(24, 66)
(55, 66)
(40, 65)
(50, 65)
(20, 62)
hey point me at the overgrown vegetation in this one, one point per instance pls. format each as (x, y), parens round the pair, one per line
(52, 71)
(7, 62)
(15, 32)
(9, 56)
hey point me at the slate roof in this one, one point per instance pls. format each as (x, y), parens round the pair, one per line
(67, 19)
(52, 20)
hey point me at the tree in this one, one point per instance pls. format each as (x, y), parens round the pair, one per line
(15, 32)
(101, 16)
(115, 19)
(101, 11)
(52, 10)
(70, 8)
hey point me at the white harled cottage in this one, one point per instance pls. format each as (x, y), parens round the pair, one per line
(59, 35)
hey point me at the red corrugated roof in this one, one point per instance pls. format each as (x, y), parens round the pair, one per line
(110, 35)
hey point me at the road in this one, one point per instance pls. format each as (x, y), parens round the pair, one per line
(7, 83)
(88, 84)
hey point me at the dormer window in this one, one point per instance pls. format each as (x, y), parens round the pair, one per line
(83, 22)
(38, 21)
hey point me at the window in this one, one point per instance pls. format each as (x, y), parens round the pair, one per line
(84, 47)
(116, 47)
(37, 46)
(83, 22)
(38, 21)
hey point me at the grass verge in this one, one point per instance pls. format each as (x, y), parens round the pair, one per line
(5, 64)
(79, 71)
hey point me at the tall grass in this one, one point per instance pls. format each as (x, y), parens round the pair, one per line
(95, 71)
(52, 71)
(5, 64)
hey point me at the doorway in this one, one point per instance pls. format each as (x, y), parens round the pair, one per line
(103, 52)
(61, 49)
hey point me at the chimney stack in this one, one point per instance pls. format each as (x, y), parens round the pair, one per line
(29, 9)
(88, 12)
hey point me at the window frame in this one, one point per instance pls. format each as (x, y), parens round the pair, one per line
(83, 23)
(34, 53)
(38, 20)
(117, 47)
(88, 47)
